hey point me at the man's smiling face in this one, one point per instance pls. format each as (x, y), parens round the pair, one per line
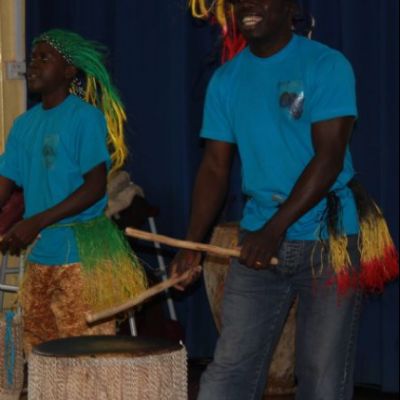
(263, 19)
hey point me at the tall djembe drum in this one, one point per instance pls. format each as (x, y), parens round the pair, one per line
(281, 378)
(108, 368)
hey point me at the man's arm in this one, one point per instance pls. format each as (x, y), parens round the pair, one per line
(26, 231)
(7, 187)
(330, 139)
(209, 193)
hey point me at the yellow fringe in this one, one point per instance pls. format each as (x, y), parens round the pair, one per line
(375, 237)
(115, 118)
(91, 90)
(220, 14)
(107, 286)
(200, 9)
(338, 254)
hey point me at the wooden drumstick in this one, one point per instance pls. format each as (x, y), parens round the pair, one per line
(142, 297)
(184, 244)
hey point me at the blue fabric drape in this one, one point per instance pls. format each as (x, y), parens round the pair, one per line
(161, 61)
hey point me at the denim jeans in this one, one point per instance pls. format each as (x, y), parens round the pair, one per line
(255, 307)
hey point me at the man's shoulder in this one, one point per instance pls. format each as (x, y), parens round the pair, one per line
(226, 71)
(225, 76)
(84, 109)
(26, 117)
(315, 51)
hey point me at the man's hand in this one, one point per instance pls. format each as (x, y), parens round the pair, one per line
(20, 236)
(259, 247)
(183, 261)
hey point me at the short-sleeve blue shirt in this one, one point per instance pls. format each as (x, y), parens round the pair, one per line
(47, 154)
(267, 106)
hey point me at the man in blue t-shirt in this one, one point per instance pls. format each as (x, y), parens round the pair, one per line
(57, 152)
(287, 105)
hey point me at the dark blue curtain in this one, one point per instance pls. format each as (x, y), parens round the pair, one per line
(367, 32)
(161, 61)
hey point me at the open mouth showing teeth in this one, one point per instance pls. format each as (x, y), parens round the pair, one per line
(251, 21)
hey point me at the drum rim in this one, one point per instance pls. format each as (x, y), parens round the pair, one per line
(81, 346)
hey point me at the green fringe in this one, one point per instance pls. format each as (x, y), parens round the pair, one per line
(112, 273)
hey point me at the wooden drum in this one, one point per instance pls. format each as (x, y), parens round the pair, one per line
(281, 378)
(108, 368)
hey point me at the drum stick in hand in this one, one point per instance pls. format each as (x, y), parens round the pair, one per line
(184, 244)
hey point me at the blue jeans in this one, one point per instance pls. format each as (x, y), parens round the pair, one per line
(255, 307)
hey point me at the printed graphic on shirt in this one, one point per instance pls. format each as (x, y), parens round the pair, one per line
(50, 150)
(291, 98)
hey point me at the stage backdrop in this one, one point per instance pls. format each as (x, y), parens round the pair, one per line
(162, 60)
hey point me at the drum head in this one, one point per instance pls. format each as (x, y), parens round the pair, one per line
(96, 345)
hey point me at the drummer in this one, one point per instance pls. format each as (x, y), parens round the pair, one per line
(287, 105)
(58, 153)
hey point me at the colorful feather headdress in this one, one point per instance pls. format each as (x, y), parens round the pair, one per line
(222, 13)
(95, 87)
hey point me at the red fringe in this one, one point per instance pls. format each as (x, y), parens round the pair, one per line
(346, 281)
(233, 44)
(233, 41)
(375, 273)
(373, 276)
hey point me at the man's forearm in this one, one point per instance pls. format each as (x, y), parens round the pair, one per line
(77, 202)
(89, 193)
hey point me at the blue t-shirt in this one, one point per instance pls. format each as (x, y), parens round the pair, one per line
(267, 106)
(47, 153)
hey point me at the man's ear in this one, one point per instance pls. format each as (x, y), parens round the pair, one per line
(70, 72)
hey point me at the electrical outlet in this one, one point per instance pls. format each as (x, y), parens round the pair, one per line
(16, 69)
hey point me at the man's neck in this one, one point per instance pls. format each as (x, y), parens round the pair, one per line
(268, 47)
(51, 100)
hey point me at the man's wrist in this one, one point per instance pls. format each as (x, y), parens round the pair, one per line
(41, 220)
(277, 226)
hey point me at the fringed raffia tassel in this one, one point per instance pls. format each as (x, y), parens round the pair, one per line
(234, 42)
(112, 273)
(345, 277)
(379, 257)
